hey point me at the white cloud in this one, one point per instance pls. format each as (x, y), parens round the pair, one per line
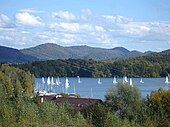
(69, 26)
(28, 19)
(134, 29)
(5, 22)
(99, 28)
(64, 15)
(84, 29)
(86, 14)
(4, 18)
(30, 10)
(118, 19)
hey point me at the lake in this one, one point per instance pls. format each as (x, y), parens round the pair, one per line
(89, 86)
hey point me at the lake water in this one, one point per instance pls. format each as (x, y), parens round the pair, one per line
(89, 86)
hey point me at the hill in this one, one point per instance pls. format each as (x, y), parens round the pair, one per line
(151, 65)
(11, 55)
(51, 51)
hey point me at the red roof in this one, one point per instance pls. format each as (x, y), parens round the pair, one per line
(77, 103)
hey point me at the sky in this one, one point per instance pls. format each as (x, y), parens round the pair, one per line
(141, 25)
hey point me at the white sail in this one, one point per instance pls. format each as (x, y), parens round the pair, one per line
(52, 81)
(48, 81)
(130, 82)
(56, 82)
(67, 85)
(74, 89)
(114, 80)
(79, 80)
(43, 80)
(125, 79)
(38, 87)
(141, 81)
(166, 79)
(91, 93)
(59, 80)
(99, 81)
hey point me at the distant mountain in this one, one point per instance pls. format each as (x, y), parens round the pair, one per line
(51, 51)
(10, 55)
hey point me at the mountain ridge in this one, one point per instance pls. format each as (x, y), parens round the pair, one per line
(49, 51)
(11, 55)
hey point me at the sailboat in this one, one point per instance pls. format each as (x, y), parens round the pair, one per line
(52, 81)
(79, 81)
(43, 80)
(141, 81)
(48, 81)
(74, 89)
(166, 80)
(130, 82)
(91, 93)
(125, 79)
(114, 80)
(99, 81)
(59, 80)
(67, 85)
(38, 87)
(56, 82)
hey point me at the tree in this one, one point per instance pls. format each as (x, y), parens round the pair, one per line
(159, 107)
(96, 114)
(18, 90)
(124, 100)
(7, 86)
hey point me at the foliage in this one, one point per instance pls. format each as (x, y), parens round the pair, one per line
(123, 106)
(96, 114)
(99, 116)
(19, 108)
(159, 107)
(16, 81)
(124, 100)
(153, 65)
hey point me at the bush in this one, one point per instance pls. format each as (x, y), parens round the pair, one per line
(95, 114)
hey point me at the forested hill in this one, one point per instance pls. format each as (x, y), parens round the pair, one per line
(152, 65)
(11, 55)
(51, 51)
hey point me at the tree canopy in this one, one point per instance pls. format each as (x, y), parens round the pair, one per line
(153, 65)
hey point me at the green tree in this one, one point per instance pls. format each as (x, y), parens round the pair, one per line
(124, 100)
(96, 114)
(6, 84)
(159, 107)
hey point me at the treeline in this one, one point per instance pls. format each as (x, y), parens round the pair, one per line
(153, 65)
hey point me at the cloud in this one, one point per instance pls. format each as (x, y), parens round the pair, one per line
(5, 22)
(86, 14)
(64, 15)
(87, 28)
(28, 19)
(118, 19)
(30, 10)
(72, 27)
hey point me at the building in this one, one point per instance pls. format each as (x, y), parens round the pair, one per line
(77, 103)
